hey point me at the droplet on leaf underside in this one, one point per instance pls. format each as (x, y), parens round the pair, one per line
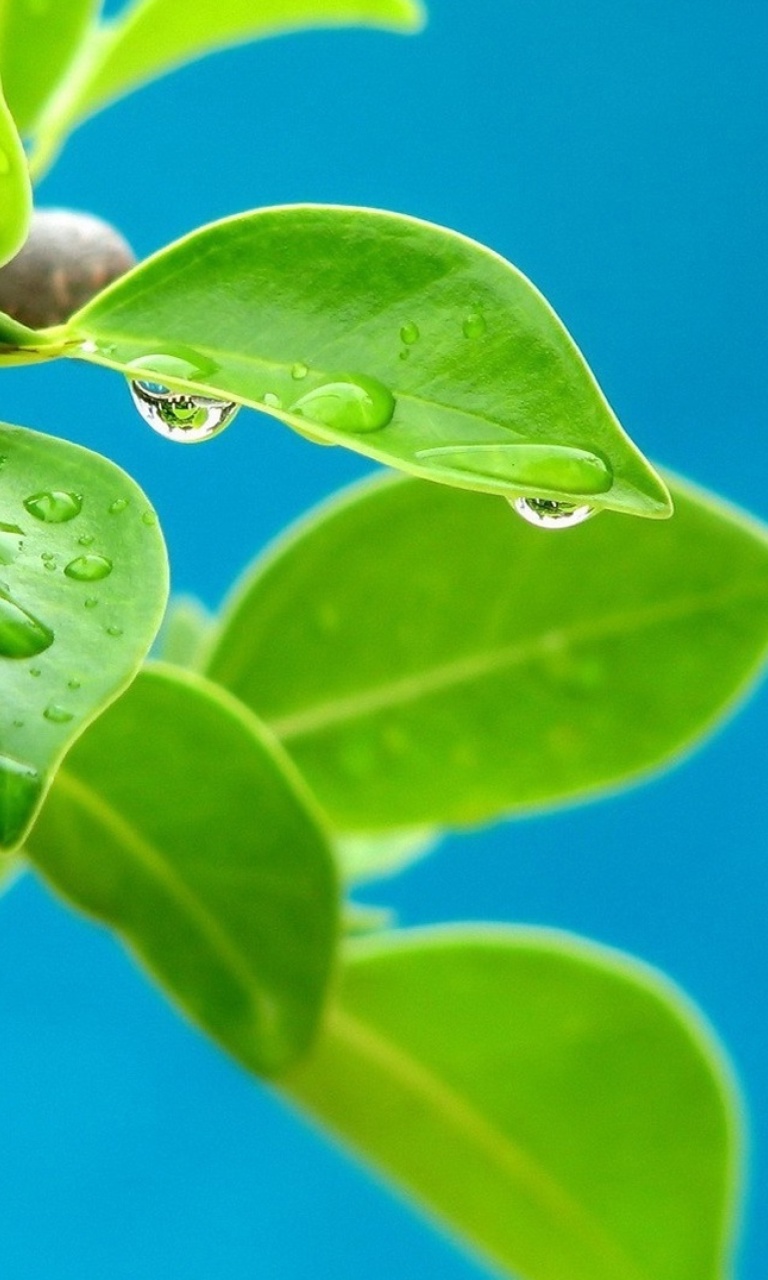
(90, 568)
(546, 514)
(353, 403)
(540, 467)
(54, 506)
(21, 634)
(180, 416)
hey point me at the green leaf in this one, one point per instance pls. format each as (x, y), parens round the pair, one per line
(15, 187)
(83, 585)
(37, 44)
(151, 37)
(313, 308)
(185, 632)
(429, 659)
(561, 1107)
(176, 821)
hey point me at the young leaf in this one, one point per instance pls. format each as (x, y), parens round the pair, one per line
(562, 1108)
(37, 44)
(150, 37)
(176, 821)
(15, 188)
(83, 585)
(312, 308)
(427, 658)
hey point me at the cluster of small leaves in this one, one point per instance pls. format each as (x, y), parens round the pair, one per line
(561, 1107)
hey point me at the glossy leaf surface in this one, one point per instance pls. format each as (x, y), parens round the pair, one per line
(176, 821)
(37, 43)
(151, 37)
(561, 1108)
(83, 585)
(313, 308)
(428, 658)
(15, 189)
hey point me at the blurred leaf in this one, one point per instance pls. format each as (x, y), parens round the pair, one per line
(151, 37)
(360, 918)
(312, 308)
(11, 866)
(427, 658)
(562, 1108)
(177, 822)
(38, 41)
(83, 585)
(369, 857)
(186, 629)
(15, 188)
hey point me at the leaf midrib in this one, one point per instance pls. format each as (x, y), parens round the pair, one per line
(143, 852)
(311, 720)
(458, 1114)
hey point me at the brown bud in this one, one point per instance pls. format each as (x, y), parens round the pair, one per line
(67, 258)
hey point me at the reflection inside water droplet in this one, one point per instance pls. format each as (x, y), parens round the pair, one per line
(350, 402)
(180, 416)
(271, 400)
(54, 506)
(546, 514)
(21, 634)
(88, 568)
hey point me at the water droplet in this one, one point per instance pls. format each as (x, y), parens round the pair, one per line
(299, 371)
(47, 555)
(18, 724)
(50, 565)
(149, 517)
(90, 602)
(536, 466)
(410, 333)
(181, 416)
(546, 514)
(35, 672)
(73, 684)
(118, 506)
(474, 325)
(114, 631)
(57, 714)
(21, 634)
(351, 402)
(10, 542)
(405, 353)
(20, 786)
(271, 400)
(87, 540)
(54, 506)
(89, 568)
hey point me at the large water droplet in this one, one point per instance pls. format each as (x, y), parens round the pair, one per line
(19, 791)
(351, 402)
(181, 416)
(10, 542)
(410, 333)
(474, 325)
(21, 634)
(530, 466)
(546, 514)
(88, 568)
(54, 506)
(58, 714)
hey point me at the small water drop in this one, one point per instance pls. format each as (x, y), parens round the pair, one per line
(87, 540)
(58, 714)
(410, 333)
(21, 634)
(54, 506)
(114, 631)
(35, 672)
(474, 325)
(88, 568)
(18, 724)
(405, 353)
(73, 684)
(546, 514)
(351, 402)
(90, 602)
(50, 565)
(271, 400)
(119, 505)
(47, 555)
(149, 517)
(181, 416)
(299, 371)
(11, 542)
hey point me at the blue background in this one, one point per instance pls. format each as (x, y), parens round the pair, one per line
(616, 153)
